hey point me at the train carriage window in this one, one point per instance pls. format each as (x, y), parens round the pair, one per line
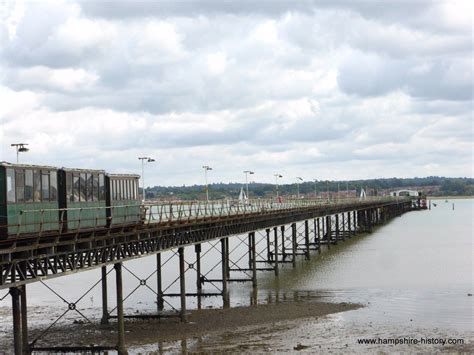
(28, 185)
(112, 190)
(95, 187)
(82, 187)
(76, 187)
(36, 185)
(69, 195)
(20, 185)
(53, 181)
(101, 187)
(89, 189)
(119, 190)
(45, 185)
(10, 185)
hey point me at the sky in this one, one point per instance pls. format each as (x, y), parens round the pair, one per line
(321, 90)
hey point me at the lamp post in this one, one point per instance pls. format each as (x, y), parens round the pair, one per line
(298, 179)
(315, 188)
(277, 176)
(206, 169)
(247, 172)
(148, 160)
(20, 148)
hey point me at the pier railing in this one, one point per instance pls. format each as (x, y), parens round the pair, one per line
(70, 220)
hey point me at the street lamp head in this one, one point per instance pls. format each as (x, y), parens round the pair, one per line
(278, 175)
(300, 179)
(150, 160)
(207, 167)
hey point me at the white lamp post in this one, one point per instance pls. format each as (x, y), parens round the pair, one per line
(277, 176)
(206, 169)
(148, 160)
(247, 172)
(20, 148)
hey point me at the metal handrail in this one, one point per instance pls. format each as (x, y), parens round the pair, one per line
(185, 211)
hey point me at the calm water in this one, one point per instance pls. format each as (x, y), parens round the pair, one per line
(413, 275)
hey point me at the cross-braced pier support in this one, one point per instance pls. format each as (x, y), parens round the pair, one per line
(274, 245)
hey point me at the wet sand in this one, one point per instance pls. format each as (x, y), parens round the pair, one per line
(200, 323)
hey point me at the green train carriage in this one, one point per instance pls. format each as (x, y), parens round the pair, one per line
(28, 199)
(82, 198)
(38, 199)
(123, 199)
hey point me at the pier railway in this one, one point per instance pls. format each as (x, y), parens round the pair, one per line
(42, 243)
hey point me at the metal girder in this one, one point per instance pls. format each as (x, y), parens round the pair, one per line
(91, 251)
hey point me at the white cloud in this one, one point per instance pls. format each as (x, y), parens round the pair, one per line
(321, 90)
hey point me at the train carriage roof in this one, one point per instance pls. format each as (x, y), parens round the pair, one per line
(77, 170)
(123, 176)
(27, 166)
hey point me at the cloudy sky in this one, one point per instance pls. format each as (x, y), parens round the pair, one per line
(317, 89)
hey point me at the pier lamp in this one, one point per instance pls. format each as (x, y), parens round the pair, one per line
(144, 160)
(20, 148)
(247, 172)
(206, 169)
(277, 176)
(298, 179)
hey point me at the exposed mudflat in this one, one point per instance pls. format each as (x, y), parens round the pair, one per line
(200, 323)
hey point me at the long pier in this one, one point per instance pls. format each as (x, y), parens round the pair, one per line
(287, 230)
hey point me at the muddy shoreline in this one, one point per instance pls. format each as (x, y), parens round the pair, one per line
(200, 323)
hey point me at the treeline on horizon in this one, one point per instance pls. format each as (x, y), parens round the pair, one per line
(445, 187)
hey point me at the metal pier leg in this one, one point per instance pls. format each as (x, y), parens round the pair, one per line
(318, 240)
(275, 248)
(283, 249)
(293, 243)
(24, 320)
(328, 230)
(17, 341)
(182, 284)
(254, 259)
(269, 253)
(105, 311)
(197, 249)
(224, 251)
(120, 319)
(306, 239)
(159, 284)
(343, 225)
(354, 222)
(227, 258)
(249, 239)
(349, 228)
(337, 228)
